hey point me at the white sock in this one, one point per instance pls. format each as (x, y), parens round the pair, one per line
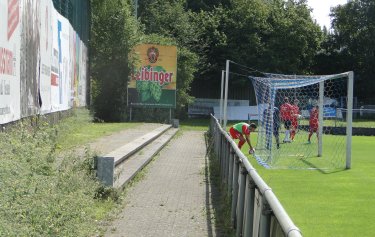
(287, 132)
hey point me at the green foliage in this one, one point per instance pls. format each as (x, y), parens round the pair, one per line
(43, 193)
(351, 46)
(273, 36)
(114, 33)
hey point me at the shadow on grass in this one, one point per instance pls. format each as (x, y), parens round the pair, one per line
(322, 170)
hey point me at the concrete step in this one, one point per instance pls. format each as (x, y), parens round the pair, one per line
(114, 169)
(125, 171)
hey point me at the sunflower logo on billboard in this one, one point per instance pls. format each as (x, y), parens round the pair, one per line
(153, 54)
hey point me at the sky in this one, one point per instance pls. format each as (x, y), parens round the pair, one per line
(321, 10)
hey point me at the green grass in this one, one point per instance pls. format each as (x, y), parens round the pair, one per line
(79, 129)
(200, 124)
(329, 204)
(45, 189)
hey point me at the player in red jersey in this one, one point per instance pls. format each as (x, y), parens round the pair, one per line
(314, 122)
(295, 116)
(286, 116)
(242, 132)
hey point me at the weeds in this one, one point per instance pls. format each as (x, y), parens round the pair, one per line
(44, 193)
(222, 201)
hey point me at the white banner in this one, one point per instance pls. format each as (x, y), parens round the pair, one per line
(82, 73)
(45, 55)
(9, 61)
(64, 62)
(55, 66)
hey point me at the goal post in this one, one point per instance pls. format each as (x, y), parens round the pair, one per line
(304, 122)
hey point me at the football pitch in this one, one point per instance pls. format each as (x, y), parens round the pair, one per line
(337, 203)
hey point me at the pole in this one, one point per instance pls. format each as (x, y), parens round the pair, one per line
(226, 94)
(130, 117)
(321, 112)
(349, 118)
(221, 98)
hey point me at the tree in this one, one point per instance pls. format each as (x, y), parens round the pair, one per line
(168, 22)
(114, 33)
(351, 46)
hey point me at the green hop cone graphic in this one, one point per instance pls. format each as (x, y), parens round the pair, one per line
(156, 91)
(143, 89)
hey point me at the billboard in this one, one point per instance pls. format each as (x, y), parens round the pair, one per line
(154, 79)
(9, 61)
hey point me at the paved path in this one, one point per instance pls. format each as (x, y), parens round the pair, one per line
(173, 199)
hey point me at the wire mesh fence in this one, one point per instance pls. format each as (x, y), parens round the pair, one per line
(78, 14)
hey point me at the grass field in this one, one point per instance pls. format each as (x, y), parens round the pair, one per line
(335, 203)
(329, 204)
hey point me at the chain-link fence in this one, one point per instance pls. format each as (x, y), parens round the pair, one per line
(78, 14)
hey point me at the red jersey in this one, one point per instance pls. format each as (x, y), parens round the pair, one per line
(295, 112)
(286, 111)
(314, 118)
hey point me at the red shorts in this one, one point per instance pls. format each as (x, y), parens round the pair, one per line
(295, 123)
(313, 128)
(234, 133)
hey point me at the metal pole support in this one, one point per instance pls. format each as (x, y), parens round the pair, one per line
(265, 219)
(241, 201)
(249, 212)
(236, 168)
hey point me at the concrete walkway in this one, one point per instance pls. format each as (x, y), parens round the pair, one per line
(173, 199)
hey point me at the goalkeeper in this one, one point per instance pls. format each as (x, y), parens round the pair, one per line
(276, 125)
(242, 132)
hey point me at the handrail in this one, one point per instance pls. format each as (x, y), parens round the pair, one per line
(278, 211)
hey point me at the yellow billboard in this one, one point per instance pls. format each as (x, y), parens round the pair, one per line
(153, 81)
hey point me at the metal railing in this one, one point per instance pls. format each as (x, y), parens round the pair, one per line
(255, 210)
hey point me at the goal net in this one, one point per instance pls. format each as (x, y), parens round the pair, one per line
(304, 121)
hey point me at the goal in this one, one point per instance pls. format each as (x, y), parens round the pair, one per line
(305, 122)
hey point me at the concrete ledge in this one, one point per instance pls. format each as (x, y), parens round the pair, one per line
(107, 165)
(130, 167)
(129, 149)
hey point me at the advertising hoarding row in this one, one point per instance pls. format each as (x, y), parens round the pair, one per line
(43, 62)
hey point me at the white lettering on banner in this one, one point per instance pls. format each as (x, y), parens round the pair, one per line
(6, 61)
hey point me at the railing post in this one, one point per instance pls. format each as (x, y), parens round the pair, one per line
(227, 157)
(249, 212)
(236, 168)
(265, 219)
(222, 158)
(241, 201)
(230, 173)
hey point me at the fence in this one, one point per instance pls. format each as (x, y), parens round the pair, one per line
(78, 14)
(255, 210)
